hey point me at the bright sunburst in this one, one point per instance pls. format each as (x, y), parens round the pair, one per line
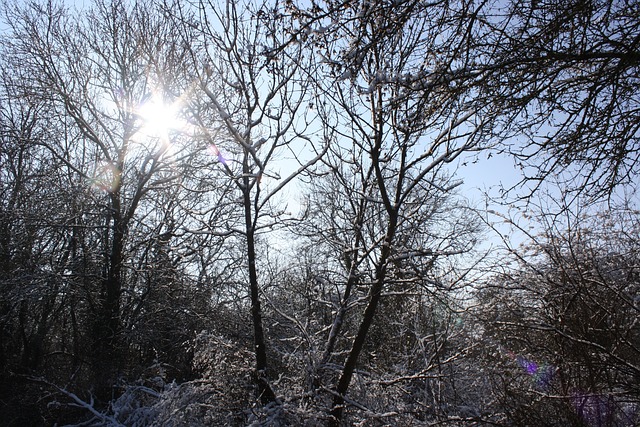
(158, 117)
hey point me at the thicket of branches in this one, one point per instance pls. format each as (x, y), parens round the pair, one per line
(232, 213)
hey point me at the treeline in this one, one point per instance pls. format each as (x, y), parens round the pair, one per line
(249, 214)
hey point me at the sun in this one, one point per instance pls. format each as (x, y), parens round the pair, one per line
(158, 117)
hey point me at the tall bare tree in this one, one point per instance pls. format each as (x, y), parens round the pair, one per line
(401, 119)
(261, 89)
(102, 76)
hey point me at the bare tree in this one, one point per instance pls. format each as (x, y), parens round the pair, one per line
(563, 320)
(399, 121)
(261, 91)
(100, 77)
(564, 75)
(37, 253)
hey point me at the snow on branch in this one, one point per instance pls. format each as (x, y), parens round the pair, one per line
(105, 420)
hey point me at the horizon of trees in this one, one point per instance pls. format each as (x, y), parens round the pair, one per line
(155, 269)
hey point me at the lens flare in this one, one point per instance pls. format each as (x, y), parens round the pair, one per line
(542, 375)
(106, 177)
(213, 149)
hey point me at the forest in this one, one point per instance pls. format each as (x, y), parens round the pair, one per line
(260, 213)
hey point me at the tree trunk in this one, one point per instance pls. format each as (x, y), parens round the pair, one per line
(351, 263)
(265, 392)
(107, 352)
(374, 298)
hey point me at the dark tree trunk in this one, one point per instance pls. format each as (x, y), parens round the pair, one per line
(265, 392)
(107, 349)
(376, 289)
(352, 359)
